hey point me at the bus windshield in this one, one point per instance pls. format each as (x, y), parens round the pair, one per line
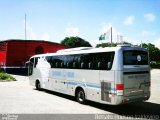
(135, 57)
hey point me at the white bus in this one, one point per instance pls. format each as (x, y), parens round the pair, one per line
(112, 75)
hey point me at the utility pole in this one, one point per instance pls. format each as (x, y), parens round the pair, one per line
(111, 36)
(25, 41)
(25, 31)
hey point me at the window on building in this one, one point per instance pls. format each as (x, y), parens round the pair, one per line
(39, 50)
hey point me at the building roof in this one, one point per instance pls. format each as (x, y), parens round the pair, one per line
(22, 40)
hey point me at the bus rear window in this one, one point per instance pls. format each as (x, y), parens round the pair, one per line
(135, 57)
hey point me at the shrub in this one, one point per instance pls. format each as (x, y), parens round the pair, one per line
(5, 76)
(154, 64)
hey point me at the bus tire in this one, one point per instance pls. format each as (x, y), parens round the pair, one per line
(38, 85)
(80, 96)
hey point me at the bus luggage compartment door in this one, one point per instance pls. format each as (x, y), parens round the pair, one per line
(105, 91)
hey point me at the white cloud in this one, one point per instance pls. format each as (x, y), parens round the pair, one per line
(45, 36)
(72, 31)
(149, 17)
(157, 43)
(146, 33)
(129, 20)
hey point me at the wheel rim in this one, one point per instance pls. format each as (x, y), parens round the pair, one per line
(81, 96)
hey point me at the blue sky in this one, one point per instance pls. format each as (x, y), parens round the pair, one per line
(53, 20)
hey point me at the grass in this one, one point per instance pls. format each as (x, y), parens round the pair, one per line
(6, 77)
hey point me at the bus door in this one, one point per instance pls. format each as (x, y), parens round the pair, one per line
(136, 73)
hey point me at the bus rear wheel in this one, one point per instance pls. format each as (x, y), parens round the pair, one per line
(80, 96)
(38, 85)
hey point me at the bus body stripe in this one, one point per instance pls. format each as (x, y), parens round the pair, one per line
(90, 85)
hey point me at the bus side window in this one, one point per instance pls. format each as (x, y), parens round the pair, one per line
(76, 62)
(82, 65)
(69, 61)
(56, 62)
(86, 61)
(110, 60)
(90, 65)
(104, 60)
(53, 64)
(109, 65)
(57, 65)
(99, 65)
(83, 62)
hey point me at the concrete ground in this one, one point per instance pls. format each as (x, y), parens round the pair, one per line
(19, 97)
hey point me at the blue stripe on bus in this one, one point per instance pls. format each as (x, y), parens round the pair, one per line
(89, 85)
(92, 85)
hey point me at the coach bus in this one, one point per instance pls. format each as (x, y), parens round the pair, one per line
(111, 75)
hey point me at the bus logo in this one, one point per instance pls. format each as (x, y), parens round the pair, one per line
(139, 58)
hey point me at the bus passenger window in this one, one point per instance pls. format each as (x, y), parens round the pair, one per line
(76, 62)
(52, 62)
(85, 60)
(82, 65)
(62, 64)
(104, 60)
(57, 61)
(69, 61)
(57, 64)
(90, 65)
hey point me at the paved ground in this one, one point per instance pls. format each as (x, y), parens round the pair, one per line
(19, 97)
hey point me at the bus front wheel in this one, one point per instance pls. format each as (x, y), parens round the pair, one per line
(80, 96)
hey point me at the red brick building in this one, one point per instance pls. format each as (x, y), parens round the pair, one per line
(14, 53)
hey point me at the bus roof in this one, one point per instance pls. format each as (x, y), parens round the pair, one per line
(81, 50)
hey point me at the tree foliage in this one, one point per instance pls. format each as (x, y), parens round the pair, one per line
(72, 42)
(111, 44)
(106, 45)
(154, 52)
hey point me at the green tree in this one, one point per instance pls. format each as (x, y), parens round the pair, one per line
(111, 45)
(106, 45)
(72, 42)
(154, 52)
